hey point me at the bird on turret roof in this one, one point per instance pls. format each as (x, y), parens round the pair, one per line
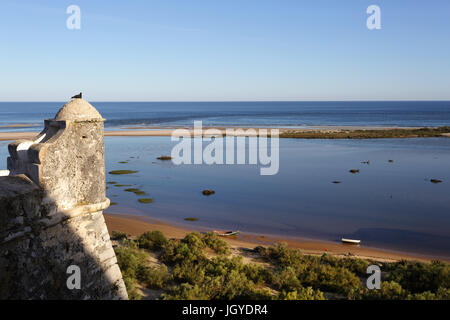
(78, 96)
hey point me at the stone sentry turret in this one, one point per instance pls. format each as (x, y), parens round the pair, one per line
(51, 212)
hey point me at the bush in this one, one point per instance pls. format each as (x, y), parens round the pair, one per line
(194, 240)
(155, 277)
(152, 240)
(131, 285)
(119, 235)
(191, 247)
(354, 265)
(443, 293)
(189, 271)
(257, 274)
(301, 294)
(214, 242)
(295, 276)
(286, 279)
(390, 290)
(281, 255)
(332, 279)
(185, 291)
(417, 277)
(131, 261)
(177, 251)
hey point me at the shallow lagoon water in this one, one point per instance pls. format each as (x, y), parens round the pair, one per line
(387, 204)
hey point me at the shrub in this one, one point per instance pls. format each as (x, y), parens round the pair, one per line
(178, 250)
(427, 295)
(194, 240)
(301, 294)
(443, 293)
(357, 266)
(189, 271)
(334, 279)
(417, 277)
(296, 276)
(286, 279)
(152, 240)
(281, 255)
(131, 285)
(214, 242)
(185, 291)
(390, 290)
(155, 276)
(257, 274)
(131, 263)
(118, 235)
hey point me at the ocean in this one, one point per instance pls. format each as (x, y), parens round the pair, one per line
(248, 114)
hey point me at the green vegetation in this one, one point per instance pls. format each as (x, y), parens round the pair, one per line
(132, 190)
(122, 185)
(367, 134)
(191, 219)
(131, 263)
(111, 182)
(152, 240)
(164, 158)
(146, 200)
(301, 294)
(200, 267)
(122, 172)
(155, 277)
(354, 171)
(119, 235)
(113, 203)
(123, 161)
(435, 181)
(135, 191)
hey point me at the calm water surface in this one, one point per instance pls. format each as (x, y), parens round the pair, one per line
(388, 204)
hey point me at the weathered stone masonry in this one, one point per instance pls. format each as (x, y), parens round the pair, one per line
(51, 212)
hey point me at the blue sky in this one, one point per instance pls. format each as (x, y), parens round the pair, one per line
(167, 50)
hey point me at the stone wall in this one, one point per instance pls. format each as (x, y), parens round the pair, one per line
(51, 206)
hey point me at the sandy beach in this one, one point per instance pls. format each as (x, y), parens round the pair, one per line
(17, 125)
(136, 225)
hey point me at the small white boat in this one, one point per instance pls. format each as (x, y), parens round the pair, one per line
(352, 241)
(227, 233)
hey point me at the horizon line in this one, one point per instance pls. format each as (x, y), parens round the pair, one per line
(256, 100)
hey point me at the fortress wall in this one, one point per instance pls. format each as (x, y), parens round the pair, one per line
(51, 206)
